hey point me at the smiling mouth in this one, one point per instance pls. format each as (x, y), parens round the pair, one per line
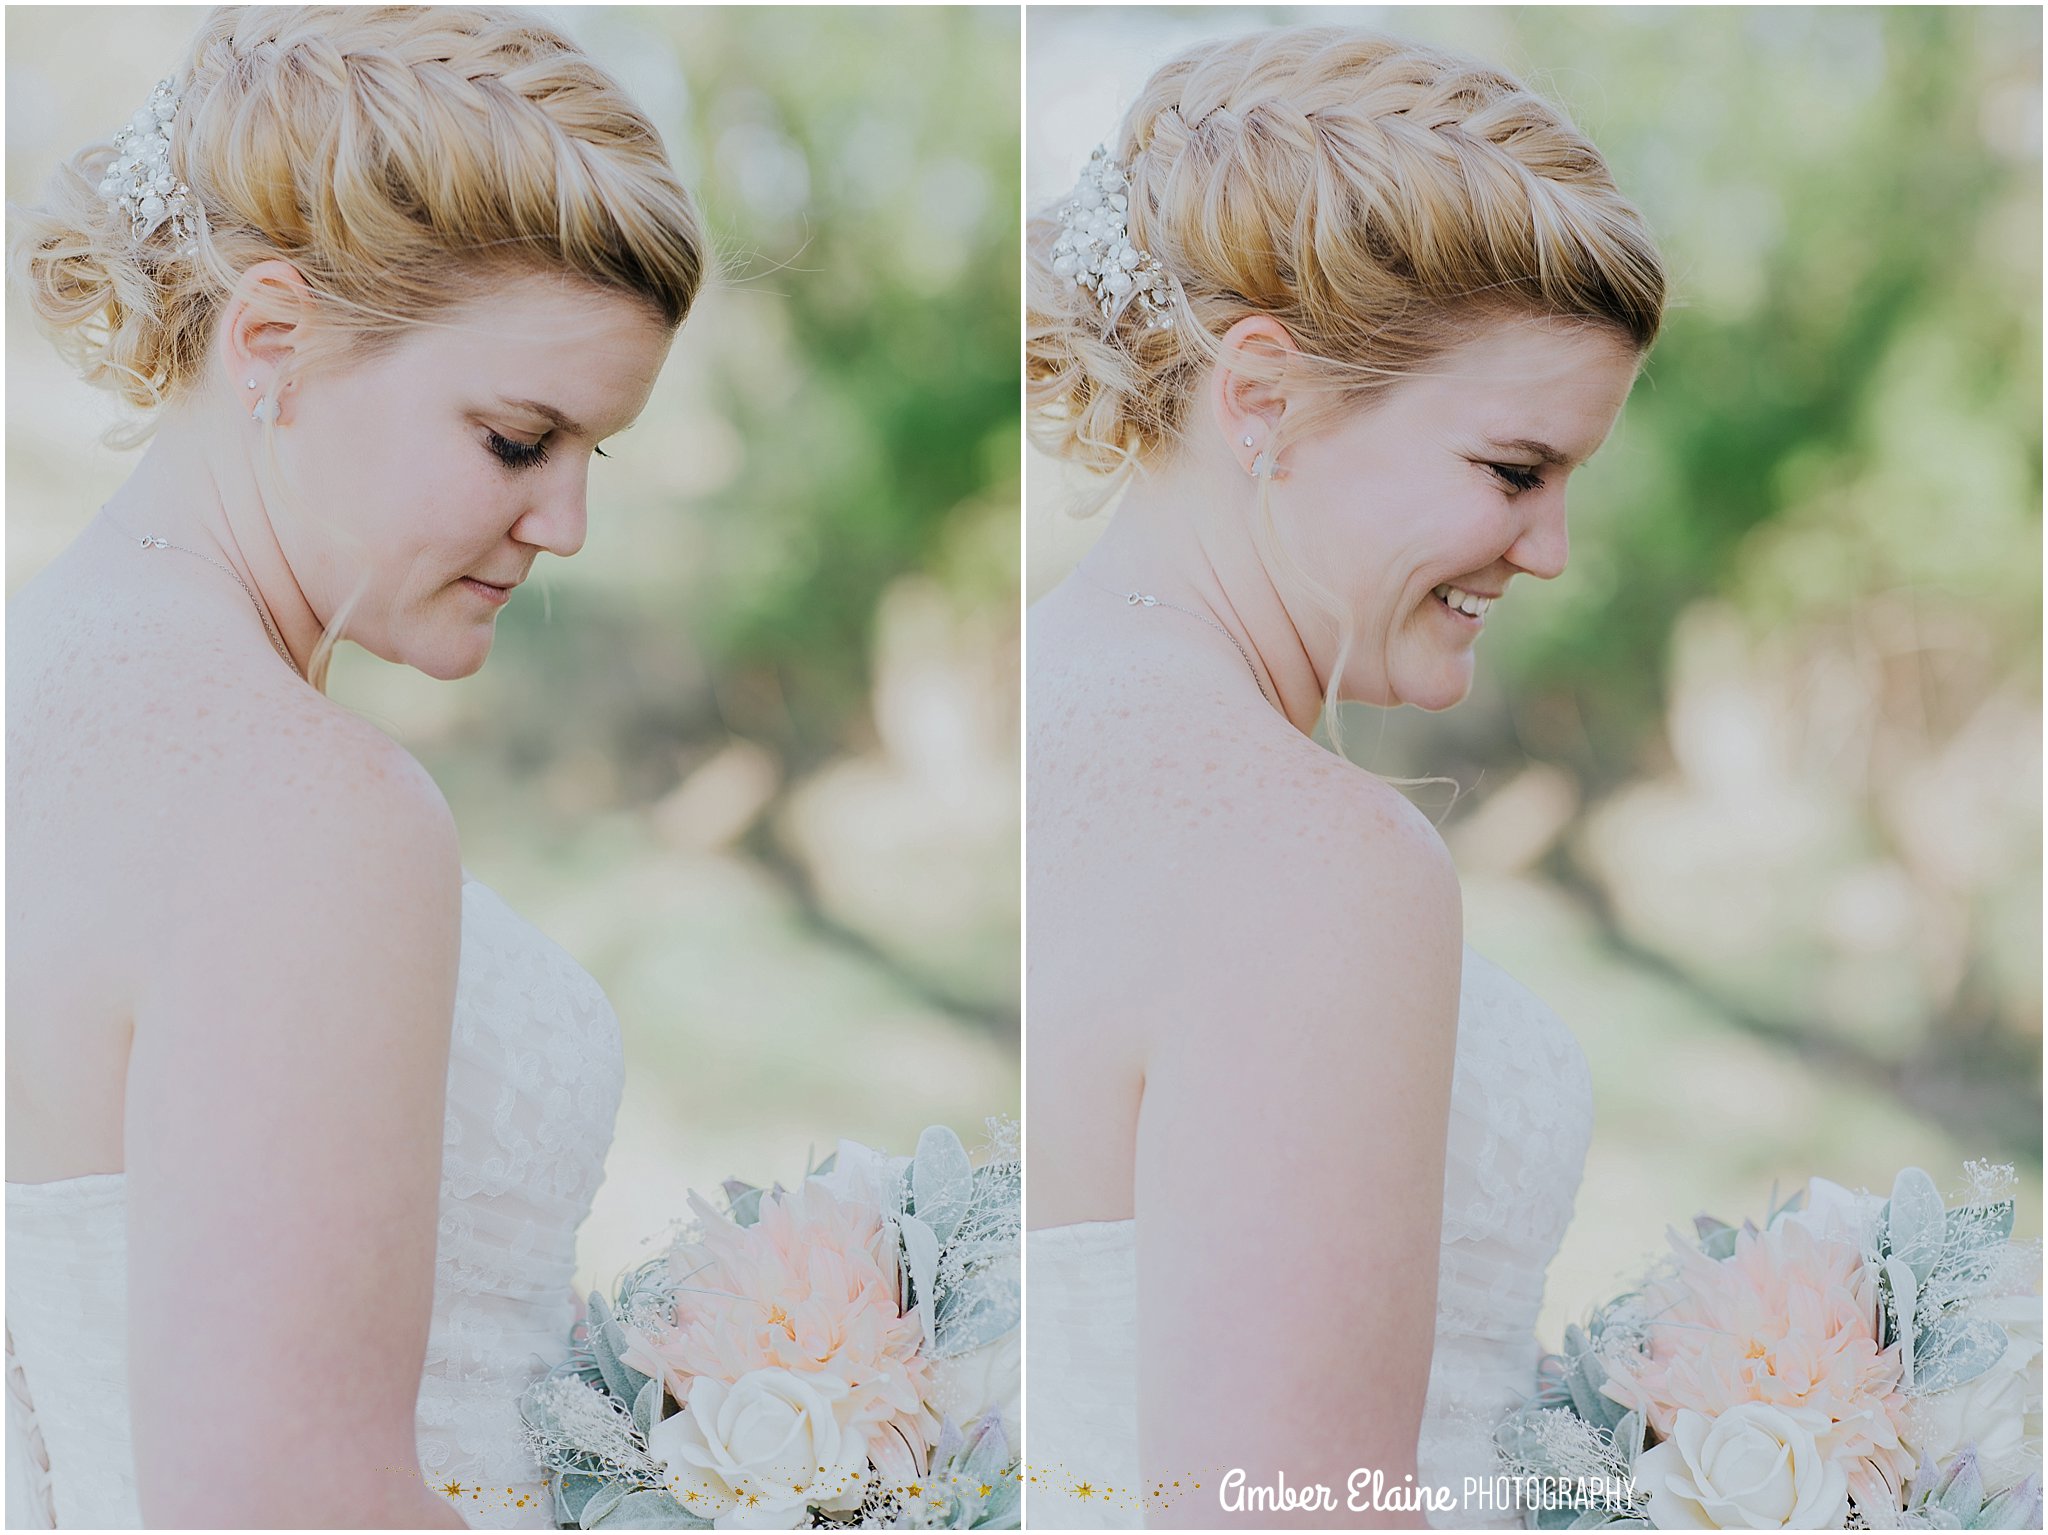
(1463, 604)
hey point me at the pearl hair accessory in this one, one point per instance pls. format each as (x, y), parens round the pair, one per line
(140, 182)
(1094, 249)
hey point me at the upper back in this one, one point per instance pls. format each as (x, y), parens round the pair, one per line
(1197, 872)
(154, 756)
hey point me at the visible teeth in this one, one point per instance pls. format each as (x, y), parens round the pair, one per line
(1465, 602)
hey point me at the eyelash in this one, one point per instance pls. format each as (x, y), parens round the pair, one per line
(1518, 477)
(523, 455)
(517, 455)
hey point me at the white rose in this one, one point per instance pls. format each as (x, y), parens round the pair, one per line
(756, 1454)
(1835, 1213)
(1754, 1467)
(861, 1174)
(1998, 1411)
(984, 1380)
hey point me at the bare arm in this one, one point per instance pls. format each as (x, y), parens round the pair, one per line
(1290, 1180)
(283, 1147)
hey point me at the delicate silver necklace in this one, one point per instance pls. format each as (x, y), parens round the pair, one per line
(156, 541)
(1137, 599)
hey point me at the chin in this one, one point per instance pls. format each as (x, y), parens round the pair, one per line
(452, 668)
(1437, 695)
(446, 662)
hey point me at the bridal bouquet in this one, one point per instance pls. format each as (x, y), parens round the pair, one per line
(839, 1355)
(1857, 1363)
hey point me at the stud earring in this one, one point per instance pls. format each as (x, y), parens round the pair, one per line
(251, 384)
(1247, 439)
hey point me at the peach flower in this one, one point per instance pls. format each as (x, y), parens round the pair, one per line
(1789, 1321)
(811, 1288)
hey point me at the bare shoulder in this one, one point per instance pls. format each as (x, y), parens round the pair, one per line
(1348, 864)
(322, 771)
(311, 800)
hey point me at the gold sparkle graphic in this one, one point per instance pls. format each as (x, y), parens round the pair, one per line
(1138, 1498)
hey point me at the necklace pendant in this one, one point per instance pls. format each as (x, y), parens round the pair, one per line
(1150, 602)
(151, 542)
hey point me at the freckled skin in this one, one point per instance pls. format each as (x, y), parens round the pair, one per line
(1244, 971)
(145, 701)
(1195, 794)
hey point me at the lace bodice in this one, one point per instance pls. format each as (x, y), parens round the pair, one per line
(1521, 1121)
(534, 1078)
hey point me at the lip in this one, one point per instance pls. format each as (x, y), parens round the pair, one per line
(1458, 615)
(497, 596)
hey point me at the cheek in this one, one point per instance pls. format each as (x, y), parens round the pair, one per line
(446, 504)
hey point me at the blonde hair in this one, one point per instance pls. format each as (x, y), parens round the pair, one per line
(1385, 202)
(404, 159)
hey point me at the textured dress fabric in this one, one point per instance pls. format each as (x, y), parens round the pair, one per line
(1521, 1121)
(534, 1078)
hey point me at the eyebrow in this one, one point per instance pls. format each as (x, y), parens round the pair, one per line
(549, 414)
(1540, 449)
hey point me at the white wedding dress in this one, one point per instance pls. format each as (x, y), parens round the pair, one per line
(1520, 1123)
(534, 1078)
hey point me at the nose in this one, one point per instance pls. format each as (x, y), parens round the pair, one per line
(1544, 546)
(557, 520)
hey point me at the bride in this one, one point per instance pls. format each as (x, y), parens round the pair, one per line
(282, 1247)
(1343, 314)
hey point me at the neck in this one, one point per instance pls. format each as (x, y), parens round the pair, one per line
(1182, 534)
(196, 486)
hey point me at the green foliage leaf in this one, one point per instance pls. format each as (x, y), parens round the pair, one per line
(620, 1379)
(1004, 1509)
(942, 1181)
(1954, 1350)
(978, 1310)
(2017, 1508)
(647, 1407)
(602, 1502)
(743, 1201)
(649, 1509)
(1915, 1222)
(574, 1490)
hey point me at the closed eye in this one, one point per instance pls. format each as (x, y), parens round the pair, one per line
(516, 455)
(1518, 476)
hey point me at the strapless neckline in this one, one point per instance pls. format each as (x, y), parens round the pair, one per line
(534, 1079)
(1520, 1126)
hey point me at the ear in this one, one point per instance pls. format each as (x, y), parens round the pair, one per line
(265, 328)
(1247, 397)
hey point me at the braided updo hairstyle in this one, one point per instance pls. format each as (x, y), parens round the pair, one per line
(403, 158)
(1382, 201)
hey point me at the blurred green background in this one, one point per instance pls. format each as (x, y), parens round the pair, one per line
(751, 756)
(1752, 795)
